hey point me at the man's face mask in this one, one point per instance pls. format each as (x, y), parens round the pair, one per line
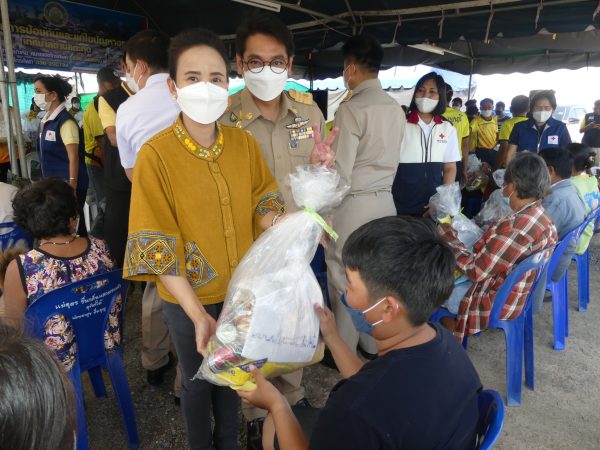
(358, 317)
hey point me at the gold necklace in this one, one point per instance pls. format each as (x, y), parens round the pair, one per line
(59, 243)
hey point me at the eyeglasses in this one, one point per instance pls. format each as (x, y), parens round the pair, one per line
(277, 65)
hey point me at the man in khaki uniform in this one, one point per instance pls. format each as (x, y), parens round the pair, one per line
(367, 150)
(282, 123)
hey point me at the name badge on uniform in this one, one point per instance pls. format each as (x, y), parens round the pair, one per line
(553, 140)
(299, 131)
(50, 136)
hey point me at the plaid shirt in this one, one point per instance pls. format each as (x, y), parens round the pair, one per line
(502, 246)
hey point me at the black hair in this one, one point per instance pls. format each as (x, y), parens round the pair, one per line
(472, 111)
(365, 50)
(457, 99)
(44, 209)
(530, 174)
(449, 93)
(195, 37)
(267, 24)
(151, 46)
(107, 75)
(471, 102)
(583, 156)
(597, 102)
(547, 94)
(560, 159)
(486, 100)
(500, 104)
(519, 105)
(56, 84)
(404, 257)
(441, 87)
(36, 398)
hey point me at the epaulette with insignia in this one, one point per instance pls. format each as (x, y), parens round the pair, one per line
(347, 97)
(301, 97)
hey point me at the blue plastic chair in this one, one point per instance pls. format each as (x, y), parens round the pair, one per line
(583, 266)
(518, 332)
(86, 305)
(491, 418)
(13, 236)
(560, 291)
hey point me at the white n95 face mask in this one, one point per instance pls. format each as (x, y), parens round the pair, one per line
(202, 102)
(487, 113)
(541, 116)
(265, 85)
(426, 105)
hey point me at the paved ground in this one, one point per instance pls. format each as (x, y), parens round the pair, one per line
(562, 413)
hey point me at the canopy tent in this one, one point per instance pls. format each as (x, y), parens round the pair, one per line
(468, 36)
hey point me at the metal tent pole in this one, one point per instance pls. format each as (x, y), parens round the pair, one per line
(12, 81)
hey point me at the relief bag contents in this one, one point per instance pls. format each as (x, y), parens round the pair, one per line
(268, 318)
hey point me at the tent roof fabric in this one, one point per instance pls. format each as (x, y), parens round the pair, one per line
(496, 36)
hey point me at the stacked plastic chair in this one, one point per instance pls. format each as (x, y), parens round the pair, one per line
(86, 305)
(12, 236)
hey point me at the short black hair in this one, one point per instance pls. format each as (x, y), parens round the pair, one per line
(519, 105)
(471, 102)
(365, 50)
(34, 391)
(530, 174)
(457, 99)
(151, 46)
(597, 102)
(560, 159)
(44, 209)
(583, 156)
(107, 75)
(195, 37)
(500, 104)
(267, 24)
(441, 87)
(486, 100)
(56, 84)
(404, 257)
(547, 94)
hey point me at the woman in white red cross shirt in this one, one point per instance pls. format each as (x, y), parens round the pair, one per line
(429, 149)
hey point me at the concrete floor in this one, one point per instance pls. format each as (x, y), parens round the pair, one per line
(562, 413)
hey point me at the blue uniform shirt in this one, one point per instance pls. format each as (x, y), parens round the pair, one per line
(526, 136)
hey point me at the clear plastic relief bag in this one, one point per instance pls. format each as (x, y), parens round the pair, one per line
(446, 202)
(268, 318)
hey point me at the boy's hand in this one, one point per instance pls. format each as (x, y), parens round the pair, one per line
(327, 322)
(265, 396)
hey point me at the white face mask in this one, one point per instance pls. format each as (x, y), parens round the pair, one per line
(266, 85)
(346, 81)
(541, 116)
(456, 108)
(486, 113)
(426, 105)
(202, 102)
(41, 102)
(131, 83)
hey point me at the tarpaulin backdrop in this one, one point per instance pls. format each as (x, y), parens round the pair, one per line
(60, 35)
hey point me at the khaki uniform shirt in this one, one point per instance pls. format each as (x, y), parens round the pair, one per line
(368, 145)
(284, 144)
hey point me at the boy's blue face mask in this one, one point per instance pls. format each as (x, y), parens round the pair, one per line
(358, 317)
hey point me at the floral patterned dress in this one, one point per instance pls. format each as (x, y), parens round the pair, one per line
(41, 273)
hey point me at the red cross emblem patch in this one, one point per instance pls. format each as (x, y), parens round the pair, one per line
(442, 136)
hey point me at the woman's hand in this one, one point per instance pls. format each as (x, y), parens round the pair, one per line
(322, 153)
(265, 396)
(326, 322)
(205, 327)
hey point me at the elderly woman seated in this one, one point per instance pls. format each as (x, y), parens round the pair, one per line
(47, 211)
(509, 241)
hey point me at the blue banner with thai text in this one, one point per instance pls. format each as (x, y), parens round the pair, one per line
(61, 35)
